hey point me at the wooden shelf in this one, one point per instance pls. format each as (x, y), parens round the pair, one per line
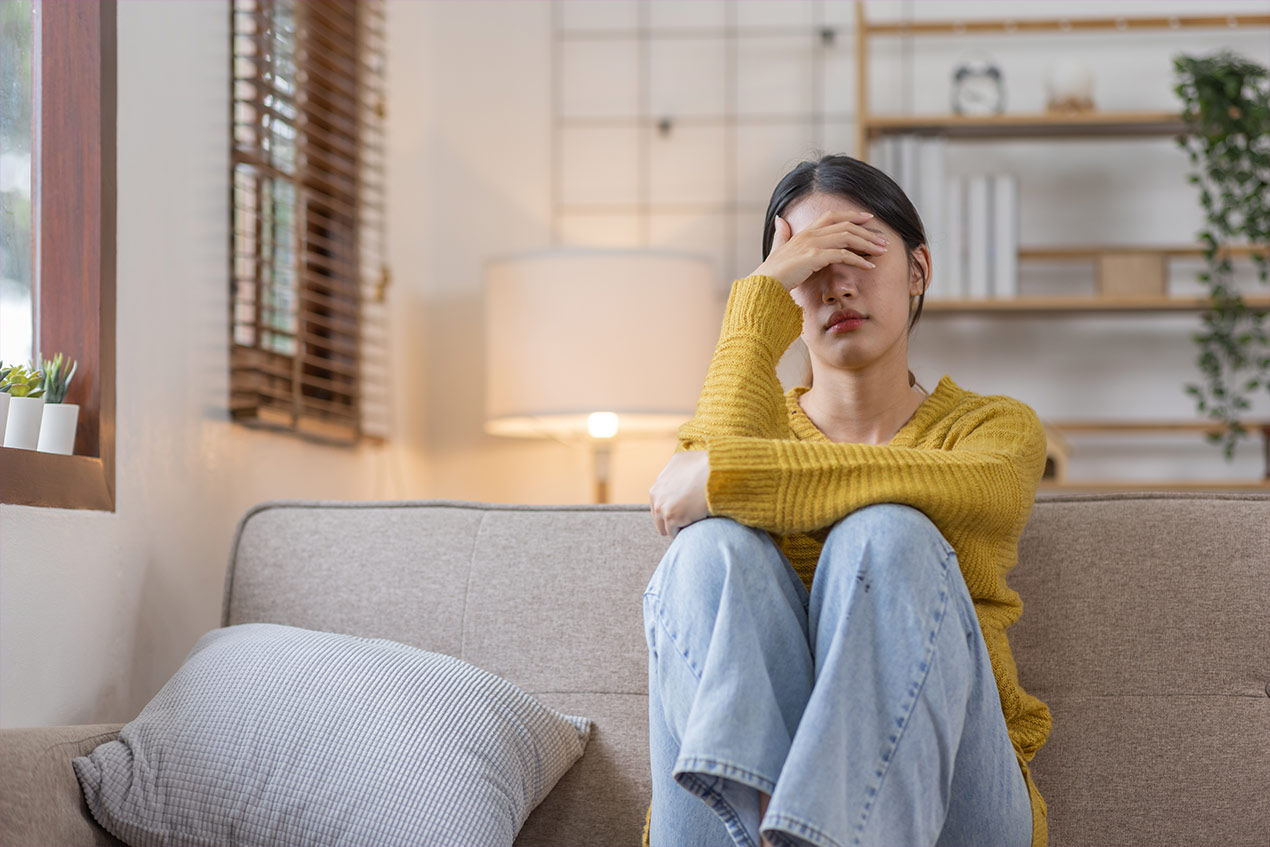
(1031, 306)
(1081, 252)
(34, 478)
(1011, 26)
(1141, 426)
(1023, 125)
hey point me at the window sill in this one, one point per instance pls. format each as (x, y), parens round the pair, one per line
(32, 478)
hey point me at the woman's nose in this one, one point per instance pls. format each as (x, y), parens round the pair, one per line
(839, 289)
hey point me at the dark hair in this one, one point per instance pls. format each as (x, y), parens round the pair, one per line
(864, 184)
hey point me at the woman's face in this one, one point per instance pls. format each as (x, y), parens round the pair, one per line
(882, 294)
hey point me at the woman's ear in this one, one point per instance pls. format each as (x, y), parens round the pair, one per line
(919, 281)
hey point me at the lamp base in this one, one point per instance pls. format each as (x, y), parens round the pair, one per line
(601, 456)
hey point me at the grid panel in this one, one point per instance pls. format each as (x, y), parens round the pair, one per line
(673, 122)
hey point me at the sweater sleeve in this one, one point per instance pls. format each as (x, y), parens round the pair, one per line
(983, 478)
(742, 395)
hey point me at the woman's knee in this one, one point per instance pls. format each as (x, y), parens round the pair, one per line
(704, 553)
(896, 533)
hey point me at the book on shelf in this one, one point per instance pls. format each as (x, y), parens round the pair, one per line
(949, 282)
(971, 221)
(907, 174)
(929, 200)
(977, 233)
(1005, 235)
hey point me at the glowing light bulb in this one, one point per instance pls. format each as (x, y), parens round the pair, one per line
(602, 424)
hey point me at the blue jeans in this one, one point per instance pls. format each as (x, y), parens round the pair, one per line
(867, 710)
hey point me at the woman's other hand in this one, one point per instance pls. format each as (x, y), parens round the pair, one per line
(834, 237)
(678, 496)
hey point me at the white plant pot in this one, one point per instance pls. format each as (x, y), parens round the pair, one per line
(22, 429)
(4, 413)
(57, 428)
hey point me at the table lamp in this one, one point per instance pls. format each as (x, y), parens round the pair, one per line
(587, 346)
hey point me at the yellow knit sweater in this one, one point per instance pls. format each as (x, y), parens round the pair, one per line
(971, 463)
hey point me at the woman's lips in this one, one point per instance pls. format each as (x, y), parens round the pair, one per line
(846, 325)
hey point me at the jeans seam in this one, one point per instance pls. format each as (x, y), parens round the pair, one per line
(661, 623)
(694, 761)
(908, 711)
(722, 807)
(802, 829)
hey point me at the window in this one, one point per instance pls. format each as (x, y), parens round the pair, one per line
(308, 318)
(17, 311)
(71, 86)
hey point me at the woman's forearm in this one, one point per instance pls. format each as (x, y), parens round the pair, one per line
(742, 394)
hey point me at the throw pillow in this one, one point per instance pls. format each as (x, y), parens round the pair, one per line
(274, 735)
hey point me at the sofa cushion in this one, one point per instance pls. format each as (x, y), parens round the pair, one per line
(275, 735)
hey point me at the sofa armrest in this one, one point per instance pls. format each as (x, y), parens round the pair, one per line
(40, 799)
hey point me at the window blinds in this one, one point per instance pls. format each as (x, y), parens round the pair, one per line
(308, 313)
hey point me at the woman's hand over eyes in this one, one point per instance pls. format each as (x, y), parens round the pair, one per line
(678, 496)
(834, 237)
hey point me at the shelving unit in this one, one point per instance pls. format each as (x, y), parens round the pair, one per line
(646, 213)
(1036, 306)
(1096, 125)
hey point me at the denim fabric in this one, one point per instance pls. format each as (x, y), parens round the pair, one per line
(867, 709)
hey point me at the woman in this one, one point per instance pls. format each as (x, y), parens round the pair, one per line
(828, 660)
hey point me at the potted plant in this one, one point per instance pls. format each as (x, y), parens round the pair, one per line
(57, 426)
(25, 387)
(1226, 106)
(4, 399)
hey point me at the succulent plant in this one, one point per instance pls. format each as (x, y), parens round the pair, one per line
(56, 378)
(21, 381)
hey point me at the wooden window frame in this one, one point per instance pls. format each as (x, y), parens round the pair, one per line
(76, 256)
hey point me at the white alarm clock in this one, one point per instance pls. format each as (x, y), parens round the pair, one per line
(977, 88)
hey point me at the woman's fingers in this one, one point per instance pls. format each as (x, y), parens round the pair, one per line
(667, 523)
(780, 232)
(850, 257)
(827, 251)
(837, 215)
(848, 227)
(850, 240)
(836, 237)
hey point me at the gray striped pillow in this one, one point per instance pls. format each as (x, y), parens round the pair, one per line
(273, 735)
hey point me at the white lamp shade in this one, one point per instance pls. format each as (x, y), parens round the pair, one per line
(569, 333)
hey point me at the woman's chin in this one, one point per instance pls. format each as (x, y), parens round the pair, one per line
(845, 352)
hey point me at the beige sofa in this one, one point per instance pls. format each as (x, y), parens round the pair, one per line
(1146, 628)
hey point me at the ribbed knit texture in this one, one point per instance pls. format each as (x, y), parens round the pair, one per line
(970, 463)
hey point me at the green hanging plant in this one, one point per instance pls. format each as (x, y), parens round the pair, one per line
(1226, 106)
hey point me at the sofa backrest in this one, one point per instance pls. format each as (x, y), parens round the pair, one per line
(1146, 628)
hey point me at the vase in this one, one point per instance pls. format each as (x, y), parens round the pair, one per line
(4, 413)
(57, 428)
(22, 427)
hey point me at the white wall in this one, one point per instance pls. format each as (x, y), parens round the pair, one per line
(469, 114)
(98, 609)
